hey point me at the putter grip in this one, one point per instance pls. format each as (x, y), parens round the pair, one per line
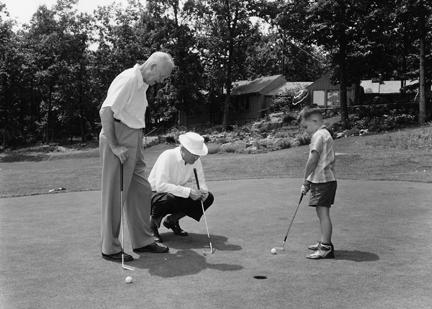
(121, 176)
(196, 178)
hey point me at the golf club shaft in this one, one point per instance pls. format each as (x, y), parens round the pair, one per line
(121, 210)
(203, 210)
(292, 220)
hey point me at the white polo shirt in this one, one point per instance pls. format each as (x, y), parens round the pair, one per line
(170, 174)
(127, 98)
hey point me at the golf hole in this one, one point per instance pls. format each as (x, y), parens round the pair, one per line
(260, 277)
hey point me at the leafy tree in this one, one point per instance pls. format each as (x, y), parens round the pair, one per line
(412, 21)
(224, 28)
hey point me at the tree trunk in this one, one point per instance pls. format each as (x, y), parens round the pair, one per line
(341, 61)
(228, 84)
(422, 83)
(343, 99)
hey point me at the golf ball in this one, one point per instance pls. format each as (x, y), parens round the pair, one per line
(128, 279)
(273, 251)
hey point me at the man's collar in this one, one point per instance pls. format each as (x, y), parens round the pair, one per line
(139, 77)
(179, 155)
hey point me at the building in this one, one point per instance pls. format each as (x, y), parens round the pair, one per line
(326, 94)
(251, 100)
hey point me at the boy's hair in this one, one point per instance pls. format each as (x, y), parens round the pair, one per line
(307, 112)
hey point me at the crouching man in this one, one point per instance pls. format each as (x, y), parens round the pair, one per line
(168, 179)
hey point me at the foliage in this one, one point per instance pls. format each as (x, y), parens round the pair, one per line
(55, 70)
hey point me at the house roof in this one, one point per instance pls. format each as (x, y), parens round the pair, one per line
(289, 88)
(261, 85)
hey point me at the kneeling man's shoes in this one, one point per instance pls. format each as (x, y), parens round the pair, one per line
(175, 227)
(155, 231)
(153, 248)
(117, 257)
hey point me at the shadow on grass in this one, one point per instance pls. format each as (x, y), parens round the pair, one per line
(186, 261)
(356, 256)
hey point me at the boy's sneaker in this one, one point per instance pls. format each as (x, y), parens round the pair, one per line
(315, 247)
(324, 251)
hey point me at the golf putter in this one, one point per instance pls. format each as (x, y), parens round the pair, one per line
(124, 266)
(212, 250)
(282, 248)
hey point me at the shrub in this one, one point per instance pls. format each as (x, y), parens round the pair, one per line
(303, 138)
(237, 146)
(170, 139)
(213, 148)
(284, 143)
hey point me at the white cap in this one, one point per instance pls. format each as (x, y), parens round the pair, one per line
(194, 143)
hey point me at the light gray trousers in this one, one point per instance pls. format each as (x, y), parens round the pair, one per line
(136, 191)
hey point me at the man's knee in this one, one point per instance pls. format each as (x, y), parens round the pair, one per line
(161, 204)
(209, 200)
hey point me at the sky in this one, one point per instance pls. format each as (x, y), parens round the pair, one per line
(23, 10)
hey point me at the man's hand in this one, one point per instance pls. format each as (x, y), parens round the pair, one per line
(120, 152)
(195, 194)
(204, 195)
(305, 187)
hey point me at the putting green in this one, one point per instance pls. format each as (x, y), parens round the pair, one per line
(50, 255)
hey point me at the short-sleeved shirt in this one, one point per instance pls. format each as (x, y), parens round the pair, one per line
(127, 98)
(170, 174)
(322, 142)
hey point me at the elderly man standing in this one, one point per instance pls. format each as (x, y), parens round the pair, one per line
(169, 177)
(120, 142)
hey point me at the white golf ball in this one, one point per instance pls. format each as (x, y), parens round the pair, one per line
(128, 279)
(273, 251)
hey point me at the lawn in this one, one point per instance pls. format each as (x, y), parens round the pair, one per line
(50, 254)
(403, 155)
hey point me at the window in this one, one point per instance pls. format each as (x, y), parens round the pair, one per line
(319, 97)
(333, 98)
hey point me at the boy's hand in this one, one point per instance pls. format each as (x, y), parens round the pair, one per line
(305, 187)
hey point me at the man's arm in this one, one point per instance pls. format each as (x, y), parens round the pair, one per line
(107, 121)
(201, 179)
(312, 163)
(161, 174)
(310, 167)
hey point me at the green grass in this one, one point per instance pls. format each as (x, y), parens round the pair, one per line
(408, 139)
(404, 155)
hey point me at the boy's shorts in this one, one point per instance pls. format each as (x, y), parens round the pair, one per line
(322, 194)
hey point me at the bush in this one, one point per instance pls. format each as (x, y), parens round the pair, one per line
(284, 143)
(213, 148)
(170, 139)
(303, 139)
(237, 146)
(290, 118)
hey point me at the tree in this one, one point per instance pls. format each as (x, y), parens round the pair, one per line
(298, 58)
(413, 21)
(224, 28)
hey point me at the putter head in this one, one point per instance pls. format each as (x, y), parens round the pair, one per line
(212, 250)
(124, 266)
(128, 267)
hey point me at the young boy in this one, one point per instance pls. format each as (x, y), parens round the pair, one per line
(320, 179)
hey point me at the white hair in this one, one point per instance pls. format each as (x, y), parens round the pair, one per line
(160, 57)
